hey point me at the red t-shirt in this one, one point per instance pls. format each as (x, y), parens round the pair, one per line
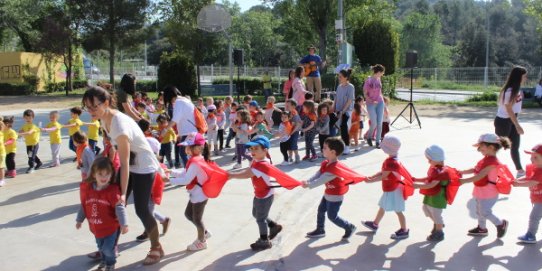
(99, 208)
(536, 191)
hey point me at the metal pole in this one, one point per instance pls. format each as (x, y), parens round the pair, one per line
(340, 31)
(487, 47)
(230, 63)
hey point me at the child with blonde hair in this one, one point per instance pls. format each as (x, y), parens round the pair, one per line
(10, 142)
(54, 129)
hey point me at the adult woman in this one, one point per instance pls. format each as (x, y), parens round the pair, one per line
(538, 90)
(298, 86)
(287, 89)
(124, 96)
(372, 90)
(138, 163)
(182, 115)
(344, 104)
(510, 103)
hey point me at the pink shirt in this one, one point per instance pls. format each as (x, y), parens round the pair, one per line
(286, 88)
(488, 191)
(299, 91)
(373, 90)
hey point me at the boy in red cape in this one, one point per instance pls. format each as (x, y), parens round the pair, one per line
(261, 171)
(439, 187)
(336, 176)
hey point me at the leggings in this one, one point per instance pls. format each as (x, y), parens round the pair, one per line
(178, 153)
(321, 139)
(33, 159)
(284, 146)
(231, 135)
(505, 127)
(94, 146)
(194, 214)
(484, 211)
(309, 144)
(10, 161)
(141, 185)
(220, 138)
(344, 130)
(240, 151)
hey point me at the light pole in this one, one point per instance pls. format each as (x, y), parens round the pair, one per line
(487, 46)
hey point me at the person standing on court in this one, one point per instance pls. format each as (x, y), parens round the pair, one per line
(344, 104)
(312, 63)
(509, 106)
(372, 90)
(124, 96)
(137, 161)
(182, 115)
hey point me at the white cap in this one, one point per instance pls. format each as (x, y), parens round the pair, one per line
(435, 153)
(390, 145)
(488, 138)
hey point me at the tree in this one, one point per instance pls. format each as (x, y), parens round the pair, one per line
(377, 42)
(24, 18)
(109, 24)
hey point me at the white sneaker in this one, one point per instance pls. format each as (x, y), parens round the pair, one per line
(346, 150)
(237, 166)
(285, 163)
(197, 245)
(208, 234)
(2, 183)
(520, 174)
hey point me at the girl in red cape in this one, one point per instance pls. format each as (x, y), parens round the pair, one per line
(261, 171)
(397, 187)
(485, 178)
(336, 176)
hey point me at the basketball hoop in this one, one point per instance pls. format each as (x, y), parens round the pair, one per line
(214, 18)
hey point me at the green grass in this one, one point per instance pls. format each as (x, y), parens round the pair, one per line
(428, 84)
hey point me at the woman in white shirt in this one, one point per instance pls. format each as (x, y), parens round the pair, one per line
(509, 106)
(137, 161)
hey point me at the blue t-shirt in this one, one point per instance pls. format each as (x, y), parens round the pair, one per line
(317, 61)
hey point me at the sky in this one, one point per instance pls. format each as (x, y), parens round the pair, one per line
(247, 4)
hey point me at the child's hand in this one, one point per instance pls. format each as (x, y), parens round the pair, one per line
(78, 225)
(124, 229)
(304, 184)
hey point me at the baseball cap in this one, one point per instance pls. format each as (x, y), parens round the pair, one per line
(435, 153)
(487, 138)
(211, 107)
(390, 145)
(254, 103)
(192, 139)
(259, 140)
(535, 149)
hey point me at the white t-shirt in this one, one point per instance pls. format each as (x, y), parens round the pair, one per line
(184, 177)
(145, 160)
(516, 107)
(266, 178)
(155, 144)
(183, 115)
(538, 91)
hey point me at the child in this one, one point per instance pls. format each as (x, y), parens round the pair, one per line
(355, 126)
(246, 101)
(31, 135)
(228, 101)
(260, 126)
(85, 155)
(167, 139)
(209, 101)
(485, 177)
(253, 109)
(221, 123)
(2, 153)
(74, 125)
(241, 129)
(110, 152)
(54, 128)
(149, 106)
(94, 135)
(270, 108)
(296, 121)
(397, 186)
(333, 119)
(322, 125)
(336, 176)
(533, 180)
(141, 108)
(363, 106)
(309, 129)
(285, 129)
(212, 132)
(201, 106)
(437, 188)
(232, 118)
(100, 205)
(261, 171)
(10, 142)
(194, 177)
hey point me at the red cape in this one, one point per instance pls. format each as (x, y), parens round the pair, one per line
(453, 185)
(216, 177)
(504, 180)
(347, 174)
(408, 184)
(158, 187)
(282, 178)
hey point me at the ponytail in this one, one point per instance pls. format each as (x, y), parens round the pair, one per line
(378, 68)
(206, 153)
(346, 73)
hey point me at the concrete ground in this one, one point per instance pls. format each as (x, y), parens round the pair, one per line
(37, 221)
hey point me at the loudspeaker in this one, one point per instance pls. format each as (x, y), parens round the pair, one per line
(238, 57)
(411, 59)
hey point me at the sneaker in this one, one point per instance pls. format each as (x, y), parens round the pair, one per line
(370, 142)
(38, 165)
(216, 153)
(297, 159)
(208, 234)
(291, 161)
(285, 163)
(30, 170)
(306, 157)
(370, 225)
(234, 158)
(348, 232)
(237, 166)
(165, 225)
(346, 150)
(316, 233)
(101, 267)
(501, 229)
(74, 159)
(9, 174)
(261, 244)
(109, 268)
(478, 232)
(273, 231)
(528, 238)
(313, 158)
(96, 255)
(2, 183)
(436, 236)
(400, 234)
(520, 174)
(377, 145)
(197, 245)
(143, 237)
(356, 149)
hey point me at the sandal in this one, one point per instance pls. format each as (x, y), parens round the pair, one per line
(154, 256)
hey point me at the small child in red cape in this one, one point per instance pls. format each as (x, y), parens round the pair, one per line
(533, 180)
(261, 171)
(336, 176)
(397, 187)
(485, 179)
(439, 188)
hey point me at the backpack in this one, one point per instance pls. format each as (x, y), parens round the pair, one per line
(201, 123)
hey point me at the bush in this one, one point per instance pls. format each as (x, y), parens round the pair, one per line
(250, 85)
(377, 43)
(15, 89)
(177, 70)
(60, 86)
(486, 96)
(32, 81)
(146, 86)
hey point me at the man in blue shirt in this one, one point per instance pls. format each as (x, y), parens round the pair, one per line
(312, 63)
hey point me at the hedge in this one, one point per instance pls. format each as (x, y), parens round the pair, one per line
(15, 89)
(60, 86)
(250, 85)
(177, 69)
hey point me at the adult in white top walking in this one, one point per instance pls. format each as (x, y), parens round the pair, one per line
(509, 106)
